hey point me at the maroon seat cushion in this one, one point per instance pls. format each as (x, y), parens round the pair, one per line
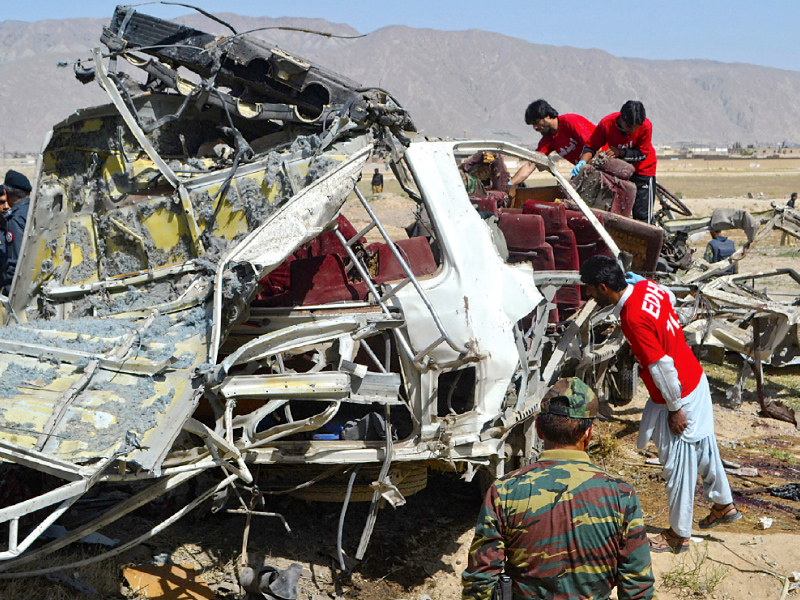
(541, 258)
(415, 251)
(321, 280)
(522, 232)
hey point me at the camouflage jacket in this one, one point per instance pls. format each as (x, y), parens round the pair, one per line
(562, 529)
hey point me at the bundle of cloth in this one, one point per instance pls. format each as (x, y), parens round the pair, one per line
(605, 184)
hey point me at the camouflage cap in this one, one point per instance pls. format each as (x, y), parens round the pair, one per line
(580, 400)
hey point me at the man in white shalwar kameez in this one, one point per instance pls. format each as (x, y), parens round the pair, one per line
(678, 416)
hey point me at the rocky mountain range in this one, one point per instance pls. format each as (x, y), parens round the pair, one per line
(464, 83)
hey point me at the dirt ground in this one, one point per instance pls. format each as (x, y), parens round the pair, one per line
(419, 550)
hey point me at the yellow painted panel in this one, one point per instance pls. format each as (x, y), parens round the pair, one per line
(48, 162)
(166, 228)
(91, 125)
(114, 165)
(71, 449)
(143, 165)
(77, 254)
(229, 223)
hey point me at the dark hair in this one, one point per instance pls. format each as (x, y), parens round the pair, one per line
(603, 269)
(539, 110)
(15, 194)
(794, 194)
(560, 429)
(632, 112)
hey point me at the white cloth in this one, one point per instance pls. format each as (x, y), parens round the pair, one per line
(665, 376)
(683, 457)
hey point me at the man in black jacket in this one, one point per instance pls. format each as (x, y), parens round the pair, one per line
(18, 191)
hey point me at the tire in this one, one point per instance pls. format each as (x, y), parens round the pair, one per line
(625, 381)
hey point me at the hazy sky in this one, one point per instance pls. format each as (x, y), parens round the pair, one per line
(762, 33)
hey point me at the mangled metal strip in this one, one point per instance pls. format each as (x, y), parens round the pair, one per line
(383, 484)
(195, 295)
(556, 278)
(139, 366)
(134, 236)
(365, 276)
(194, 228)
(567, 338)
(286, 429)
(122, 282)
(752, 303)
(41, 462)
(407, 269)
(64, 492)
(295, 223)
(15, 548)
(116, 98)
(67, 495)
(217, 441)
(127, 506)
(135, 542)
(296, 336)
(327, 385)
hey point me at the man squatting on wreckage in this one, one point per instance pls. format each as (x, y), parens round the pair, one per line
(678, 417)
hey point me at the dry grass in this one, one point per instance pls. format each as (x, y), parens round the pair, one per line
(606, 447)
(695, 575)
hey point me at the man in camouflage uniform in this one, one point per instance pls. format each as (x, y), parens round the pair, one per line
(561, 528)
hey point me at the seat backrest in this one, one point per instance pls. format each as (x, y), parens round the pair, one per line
(584, 231)
(484, 204)
(415, 251)
(328, 243)
(565, 250)
(320, 280)
(522, 232)
(553, 213)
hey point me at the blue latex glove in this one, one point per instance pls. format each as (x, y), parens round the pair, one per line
(632, 278)
(577, 168)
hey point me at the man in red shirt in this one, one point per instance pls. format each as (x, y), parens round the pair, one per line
(678, 416)
(628, 134)
(566, 135)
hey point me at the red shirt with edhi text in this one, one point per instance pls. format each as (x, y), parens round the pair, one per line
(652, 329)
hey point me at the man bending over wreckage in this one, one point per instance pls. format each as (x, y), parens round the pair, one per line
(560, 528)
(678, 416)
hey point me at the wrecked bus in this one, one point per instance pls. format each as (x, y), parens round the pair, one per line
(190, 297)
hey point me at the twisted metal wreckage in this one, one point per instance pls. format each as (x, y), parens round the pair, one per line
(189, 297)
